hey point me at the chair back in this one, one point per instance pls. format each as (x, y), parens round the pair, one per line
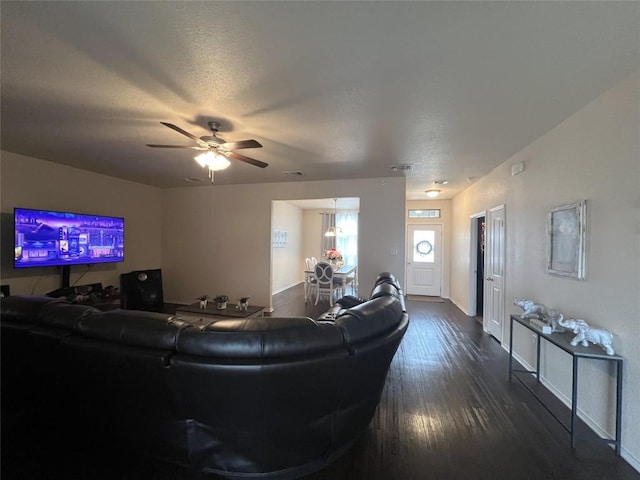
(308, 264)
(324, 274)
(314, 260)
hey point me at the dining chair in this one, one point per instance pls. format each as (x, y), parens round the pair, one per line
(326, 283)
(309, 279)
(346, 281)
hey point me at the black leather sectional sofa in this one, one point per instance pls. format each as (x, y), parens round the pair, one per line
(263, 397)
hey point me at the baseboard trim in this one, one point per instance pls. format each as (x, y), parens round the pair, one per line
(457, 304)
(286, 287)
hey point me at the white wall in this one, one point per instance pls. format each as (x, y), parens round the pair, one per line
(231, 230)
(287, 262)
(32, 183)
(593, 155)
(445, 221)
(312, 239)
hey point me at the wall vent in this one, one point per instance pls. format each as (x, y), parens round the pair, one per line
(401, 167)
(295, 173)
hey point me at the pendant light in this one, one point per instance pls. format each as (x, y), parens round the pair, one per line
(332, 231)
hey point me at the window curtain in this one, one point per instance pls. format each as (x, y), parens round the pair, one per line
(347, 239)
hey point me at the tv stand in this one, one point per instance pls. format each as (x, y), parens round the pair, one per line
(92, 295)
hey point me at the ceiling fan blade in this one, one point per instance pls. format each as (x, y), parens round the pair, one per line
(242, 158)
(240, 144)
(177, 146)
(202, 143)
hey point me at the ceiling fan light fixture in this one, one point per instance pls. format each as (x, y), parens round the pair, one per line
(432, 193)
(212, 161)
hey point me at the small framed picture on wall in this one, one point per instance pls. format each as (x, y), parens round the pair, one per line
(279, 238)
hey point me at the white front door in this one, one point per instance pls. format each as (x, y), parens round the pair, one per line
(494, 269)
(424, 260)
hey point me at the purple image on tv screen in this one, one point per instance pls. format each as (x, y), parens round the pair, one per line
(47, 238)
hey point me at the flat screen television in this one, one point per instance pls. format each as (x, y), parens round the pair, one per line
(46, 238)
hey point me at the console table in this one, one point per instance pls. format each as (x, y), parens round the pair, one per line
(562, 341)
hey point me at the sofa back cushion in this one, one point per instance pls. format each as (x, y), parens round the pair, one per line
(383, 289)
(262, 337)
(132, 327)
(27, 309)
(65, 316)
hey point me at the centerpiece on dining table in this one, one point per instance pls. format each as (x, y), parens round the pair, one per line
(334, 257)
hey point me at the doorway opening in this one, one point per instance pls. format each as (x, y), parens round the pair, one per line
(480, 225)
(298, 232)
(477, 236)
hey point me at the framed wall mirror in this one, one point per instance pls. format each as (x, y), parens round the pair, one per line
(566, 240)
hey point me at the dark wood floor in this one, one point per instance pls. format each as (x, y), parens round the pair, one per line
(448, 412)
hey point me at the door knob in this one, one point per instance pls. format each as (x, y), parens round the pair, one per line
(489, 279)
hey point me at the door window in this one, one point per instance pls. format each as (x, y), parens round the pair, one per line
(423, 246)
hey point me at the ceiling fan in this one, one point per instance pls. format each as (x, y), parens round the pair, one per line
(217, 150)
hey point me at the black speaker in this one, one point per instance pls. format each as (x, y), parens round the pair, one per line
(142, 290)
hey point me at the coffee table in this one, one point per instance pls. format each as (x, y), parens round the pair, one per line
(193, 312)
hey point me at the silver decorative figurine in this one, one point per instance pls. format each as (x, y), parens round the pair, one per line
(530, 310)
(585, 334)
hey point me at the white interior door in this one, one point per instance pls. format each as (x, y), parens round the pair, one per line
(424, 262)
(494, 268)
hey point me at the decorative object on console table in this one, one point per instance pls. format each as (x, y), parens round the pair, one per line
(532, 310)
(540, 325)
(221, 301)
(243, 303)
(585, 334)
(204, 299)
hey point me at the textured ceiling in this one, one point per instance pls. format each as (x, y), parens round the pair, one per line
(331, 89)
